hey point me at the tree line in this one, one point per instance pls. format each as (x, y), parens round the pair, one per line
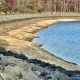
(61, 5)
(41, 5)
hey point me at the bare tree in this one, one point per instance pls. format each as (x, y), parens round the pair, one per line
(9, 4)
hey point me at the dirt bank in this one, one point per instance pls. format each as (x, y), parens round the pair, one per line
(19, 35)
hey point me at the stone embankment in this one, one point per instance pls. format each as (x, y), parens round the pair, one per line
(19, 67)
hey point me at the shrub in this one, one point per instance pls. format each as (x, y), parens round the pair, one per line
(2, 7)
(31, 6)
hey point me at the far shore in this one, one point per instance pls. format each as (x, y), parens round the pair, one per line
(19, 35)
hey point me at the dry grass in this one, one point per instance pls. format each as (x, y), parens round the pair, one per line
(3, 43)
(20, 36)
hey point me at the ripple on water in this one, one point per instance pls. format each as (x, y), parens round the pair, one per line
(63, 40)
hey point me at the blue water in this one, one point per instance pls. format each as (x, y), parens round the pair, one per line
(63, 40)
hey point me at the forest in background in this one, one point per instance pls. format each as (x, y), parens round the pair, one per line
(31, 6)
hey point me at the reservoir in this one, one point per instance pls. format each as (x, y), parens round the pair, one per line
(62, 39)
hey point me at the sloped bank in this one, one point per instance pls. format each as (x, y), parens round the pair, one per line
(15, 66)
(17, 37)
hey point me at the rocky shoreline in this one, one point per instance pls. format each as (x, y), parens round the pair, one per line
(19, 67)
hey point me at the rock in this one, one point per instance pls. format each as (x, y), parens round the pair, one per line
(17, 68)
(48, 77)
(1, 78)
(36, 44)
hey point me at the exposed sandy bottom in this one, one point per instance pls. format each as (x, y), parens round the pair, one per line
(19, 35)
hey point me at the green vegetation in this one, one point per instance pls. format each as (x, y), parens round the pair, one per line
(2, 7)
(31, 6)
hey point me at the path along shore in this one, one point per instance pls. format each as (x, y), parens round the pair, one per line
(17, 37)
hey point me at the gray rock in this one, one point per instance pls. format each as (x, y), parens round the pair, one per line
(12, 68)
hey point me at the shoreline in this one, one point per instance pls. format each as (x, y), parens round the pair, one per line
(21, 65)
(55, 21)
(20, 41)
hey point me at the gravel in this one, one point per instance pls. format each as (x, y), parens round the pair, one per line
(34, 15)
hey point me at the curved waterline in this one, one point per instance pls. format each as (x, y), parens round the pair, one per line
(62, 40)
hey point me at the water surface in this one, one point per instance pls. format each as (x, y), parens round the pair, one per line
(63, 40)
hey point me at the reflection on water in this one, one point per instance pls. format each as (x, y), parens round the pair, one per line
(63, 40)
